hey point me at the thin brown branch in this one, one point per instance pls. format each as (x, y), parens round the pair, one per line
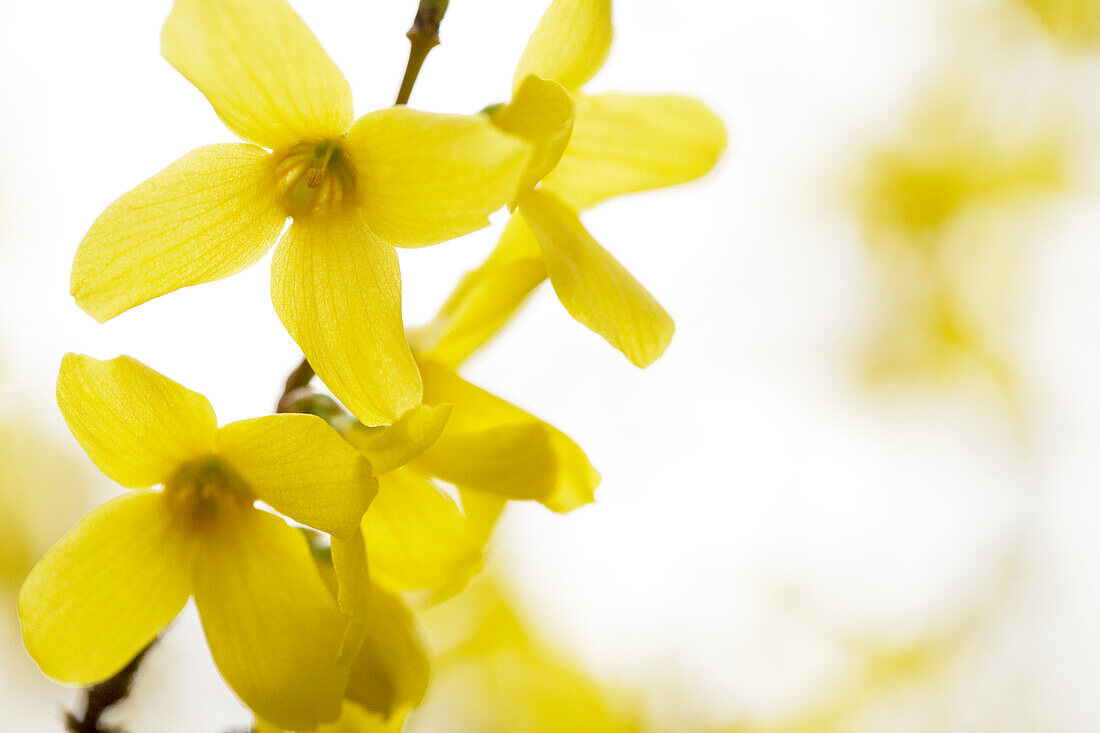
(100, 698)
(296, 384)
(423, 37)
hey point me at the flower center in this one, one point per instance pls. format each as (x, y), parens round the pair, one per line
(206, 487)
(314, 177)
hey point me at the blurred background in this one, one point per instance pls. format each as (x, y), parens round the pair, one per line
(858, 493)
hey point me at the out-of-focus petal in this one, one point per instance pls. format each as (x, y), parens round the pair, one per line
(418, 540)
(633, 142)
(136, 424)
(273, 627)
(337, 289)
(353, 591)
(302, 468)
(569, 45)
(261, 68)
(105, 590)
(207, 216)
(593, 286)
(424, 178)
(486, 298)
(390, 446)
(392, 671)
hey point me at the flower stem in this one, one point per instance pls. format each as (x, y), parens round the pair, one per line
(298, 381)
(423, 37)
(99, 698)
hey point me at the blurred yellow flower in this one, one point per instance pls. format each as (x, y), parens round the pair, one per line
(494, 675)
(354, 191)
(125, 571)
(936, 209)
(586, 148)
(1073, 23)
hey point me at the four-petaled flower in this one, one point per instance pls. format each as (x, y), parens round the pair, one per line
(127, 569)
(586, 148)
(396, 177)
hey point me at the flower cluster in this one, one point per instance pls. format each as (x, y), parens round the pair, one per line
(406, 463)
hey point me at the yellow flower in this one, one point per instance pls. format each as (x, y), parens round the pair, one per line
(1073, 23)
(124, 572)
(586, 148)
(395, 177)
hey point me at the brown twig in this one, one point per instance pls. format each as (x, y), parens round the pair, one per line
(423, 37)
(296, 384)
(99, 698)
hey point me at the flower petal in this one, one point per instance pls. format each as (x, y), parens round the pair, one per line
(593, 286)
(337, 289)
(353, 591)
(392, 670)
(492, 446)
(425, 178)
(569, 45)
(353, 719)
(136, 424)
(418, 540)
(261, 67)
(207, 216)
(632, 142)
(302, 468)
(105, 590)
(272, 625)
(391, 446)
(541, 114)
(486, 298)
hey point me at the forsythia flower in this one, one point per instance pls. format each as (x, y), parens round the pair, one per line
(124, 572)
(354, 191)
(419, 539)
(1073, 23)
(586, 148)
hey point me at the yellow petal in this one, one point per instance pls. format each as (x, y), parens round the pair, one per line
(391, 446)
(593, 286)
(353, 591)
(105, 590)
(425, 178)
(569, 44)
(492, 446)
(136, 424)
(541, 114)
(261, 67)
(302, 468)
(272, 625)
(337, 289)
(486, 298)
(207, 216)
(633, 142)
(353, 719)
(418, 541)
(392, 670)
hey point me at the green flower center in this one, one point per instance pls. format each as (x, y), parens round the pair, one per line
(315, 177)
(205, 488)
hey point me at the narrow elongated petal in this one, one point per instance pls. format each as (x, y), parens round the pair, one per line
(261, 67)
(486, 298)
(302, 468)
(418, 540)
(425, 178)
(392, 670)
(593, 286)
(272, 625)
(105, 590)
(541, 114)
(633, 142)
(569, 45)
(391, 446)
(136, 424)
(207, 216)
(353, 591)
(494, 447)
(337, 289)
